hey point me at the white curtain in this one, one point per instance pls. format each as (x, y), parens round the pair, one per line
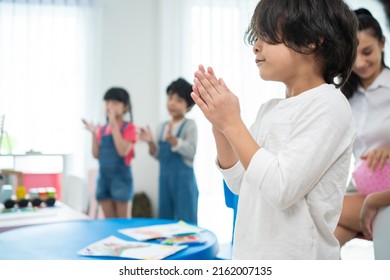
(47, 71)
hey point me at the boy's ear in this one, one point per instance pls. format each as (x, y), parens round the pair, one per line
(190, 107)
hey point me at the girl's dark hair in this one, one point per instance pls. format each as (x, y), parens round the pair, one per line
(370, 24)
(182, 88)
(325, 28)
(121, 95)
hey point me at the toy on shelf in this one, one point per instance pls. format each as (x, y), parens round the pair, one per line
(37, 197)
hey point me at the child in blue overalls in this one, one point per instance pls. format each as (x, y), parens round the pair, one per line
(113, 145)
(175, 148)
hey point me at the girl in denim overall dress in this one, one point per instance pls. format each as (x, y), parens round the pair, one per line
(113, 145)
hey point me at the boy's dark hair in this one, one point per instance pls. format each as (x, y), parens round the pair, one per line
(325, 28)
(182, 88)
(121, 95)
(368, 23)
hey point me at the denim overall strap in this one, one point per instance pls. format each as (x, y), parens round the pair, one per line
(115, 177)
(108, 157)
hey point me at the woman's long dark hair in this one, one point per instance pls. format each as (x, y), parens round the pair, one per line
(366, 22)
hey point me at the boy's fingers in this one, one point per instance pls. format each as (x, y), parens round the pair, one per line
(205, 85)
(201, 68)
(202, 91)
(200, 102)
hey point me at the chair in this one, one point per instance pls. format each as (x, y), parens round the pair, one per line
(75, 193)
(231, 201)
(381, 234)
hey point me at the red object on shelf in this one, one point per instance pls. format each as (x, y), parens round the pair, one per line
(43, 181)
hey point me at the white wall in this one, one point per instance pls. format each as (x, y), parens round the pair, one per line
(129, 59)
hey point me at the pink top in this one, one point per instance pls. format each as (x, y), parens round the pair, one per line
(129, 134)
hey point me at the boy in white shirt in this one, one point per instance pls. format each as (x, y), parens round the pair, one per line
(291, 167)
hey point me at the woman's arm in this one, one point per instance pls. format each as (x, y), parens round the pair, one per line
(370, 208)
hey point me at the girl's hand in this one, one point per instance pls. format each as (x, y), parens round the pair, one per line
(377, 158)
(367, 215)
(111, 118)
(219, 105)
(171, 139)
(89, 126)
(145, 134)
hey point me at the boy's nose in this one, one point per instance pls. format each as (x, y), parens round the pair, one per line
(257, 46)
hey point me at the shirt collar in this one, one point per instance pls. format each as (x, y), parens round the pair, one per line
(381, 81)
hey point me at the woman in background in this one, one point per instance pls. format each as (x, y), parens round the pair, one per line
(368, 91)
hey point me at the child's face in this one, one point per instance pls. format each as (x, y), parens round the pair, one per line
(277, 62)
(177, 106)
(115, 107)
(368, 64)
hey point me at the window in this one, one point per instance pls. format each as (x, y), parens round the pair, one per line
(45, 73)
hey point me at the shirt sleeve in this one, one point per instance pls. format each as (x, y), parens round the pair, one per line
(320, 134)
(130, 133)
(187, 142)
(233, 176)
(98, 134)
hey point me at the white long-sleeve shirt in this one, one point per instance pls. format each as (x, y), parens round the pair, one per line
(290, 196)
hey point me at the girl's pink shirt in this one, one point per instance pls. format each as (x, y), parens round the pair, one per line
(129, 134)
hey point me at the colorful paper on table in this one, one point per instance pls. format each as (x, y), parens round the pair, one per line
(113, 246)
(160, 231)
(183, 240)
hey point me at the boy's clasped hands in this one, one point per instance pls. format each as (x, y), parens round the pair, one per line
(219, 105)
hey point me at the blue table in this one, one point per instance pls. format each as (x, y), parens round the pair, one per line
(63, 240)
